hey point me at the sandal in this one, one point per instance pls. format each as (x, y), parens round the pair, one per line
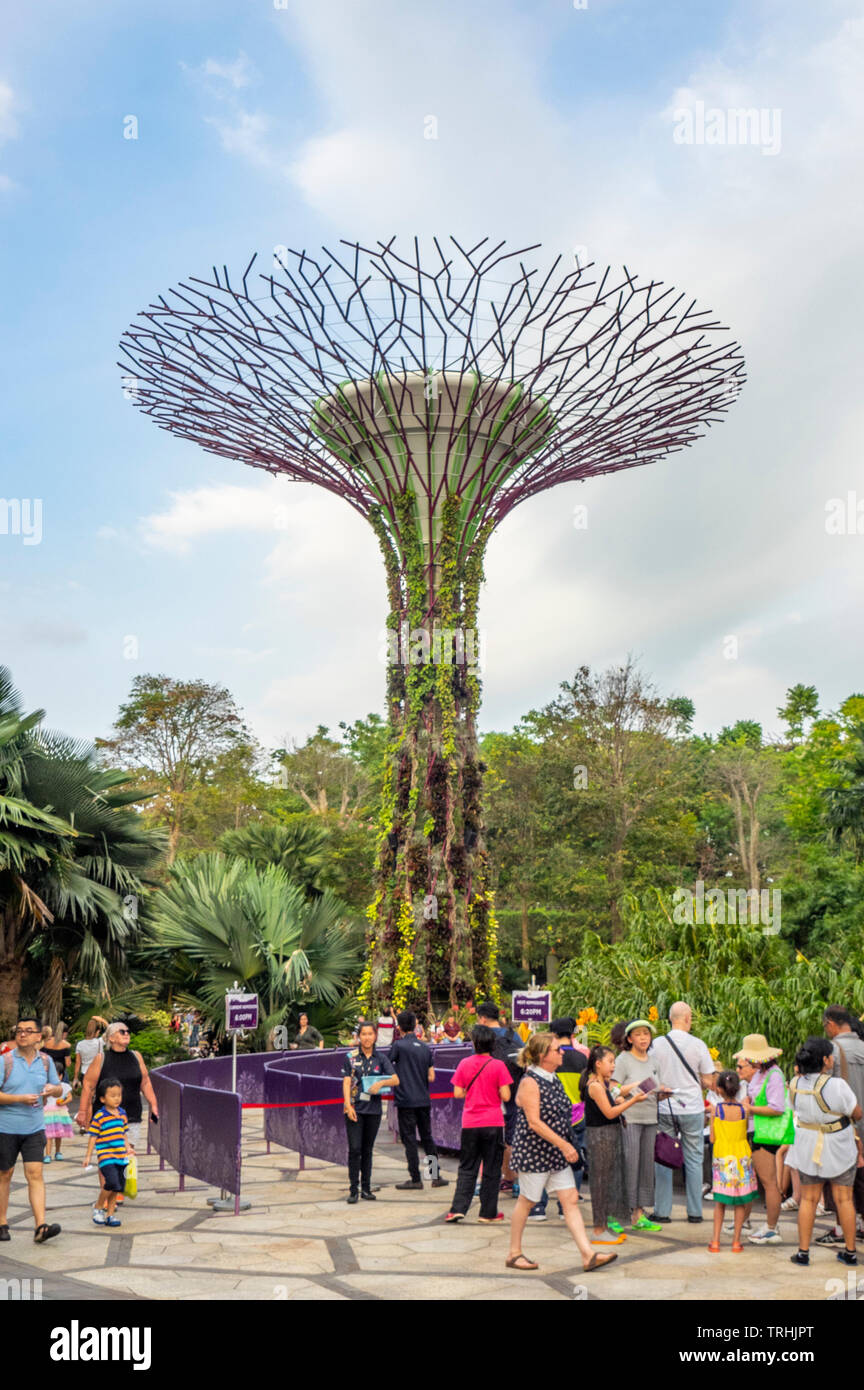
(598, 1261)
(737, 1249)
(512, 1262)
(45, 1232)
(714, 1247)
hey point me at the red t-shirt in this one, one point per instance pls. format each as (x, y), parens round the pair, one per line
(482, 1103)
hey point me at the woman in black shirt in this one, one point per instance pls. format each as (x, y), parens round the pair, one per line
(606, 1173)
(365, 1073)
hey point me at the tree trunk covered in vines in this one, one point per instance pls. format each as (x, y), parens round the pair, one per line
(432, 937)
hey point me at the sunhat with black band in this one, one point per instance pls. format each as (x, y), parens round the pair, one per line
(755, 1048)
(639, 1023)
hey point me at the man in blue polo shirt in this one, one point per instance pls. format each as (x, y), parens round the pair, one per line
(27, 1078)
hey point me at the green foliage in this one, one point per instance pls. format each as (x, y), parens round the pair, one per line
(157, 1043)
(222, 920)
(736, 979)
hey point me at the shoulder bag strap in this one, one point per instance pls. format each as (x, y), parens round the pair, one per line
(476, 1074)
(683, 1060)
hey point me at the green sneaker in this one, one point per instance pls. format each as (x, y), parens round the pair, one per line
(643, 1224)
(616, 1227)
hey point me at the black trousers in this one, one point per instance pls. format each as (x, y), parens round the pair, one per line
(361, 1141)
(486, 1146)
(414, 1120)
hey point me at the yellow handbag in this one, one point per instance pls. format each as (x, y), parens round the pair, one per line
(131, 1187)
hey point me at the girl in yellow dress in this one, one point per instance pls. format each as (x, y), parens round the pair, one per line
(733, 1180)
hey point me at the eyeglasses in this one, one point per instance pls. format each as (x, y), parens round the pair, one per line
(26, 1030)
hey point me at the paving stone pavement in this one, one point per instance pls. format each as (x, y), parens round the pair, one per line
(301, 1241)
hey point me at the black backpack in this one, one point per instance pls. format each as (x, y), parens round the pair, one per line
(506, 1049)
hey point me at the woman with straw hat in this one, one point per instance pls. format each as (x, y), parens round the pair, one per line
(767, 1103)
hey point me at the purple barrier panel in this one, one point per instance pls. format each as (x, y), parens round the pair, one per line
(316, 1131)
(282, 1126)
(166, 1137)
(323, 1128)
(211, 1136)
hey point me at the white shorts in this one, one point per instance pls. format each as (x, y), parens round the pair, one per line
(531, 1185)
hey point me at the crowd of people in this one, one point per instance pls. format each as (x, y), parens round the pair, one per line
(541, 1116)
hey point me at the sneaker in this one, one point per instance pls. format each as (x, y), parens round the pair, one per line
(663, 1219)
(113, 1221)
(789, 1205)
(729, 1227)
(58, 1158)
(847, 1257)
(440, 1182)
(537, 1213)
(409, 1186)
(99, 1217)
(608, 1239)
(455, 1216)
(643, 1224)
(370, 1196)
(820, 1209)
(491, 1220)
(47, 1158)
(615, 1227)
(801, 1257)
(764, 1236)
(830, 1238)
(354, 1197)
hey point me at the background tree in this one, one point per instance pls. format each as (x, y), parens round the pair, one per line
(618, 774)
(223, 919)
(745, 774)
(73, 855)
(174, 733)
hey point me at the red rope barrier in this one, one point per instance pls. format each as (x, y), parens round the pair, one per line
(304, 1104)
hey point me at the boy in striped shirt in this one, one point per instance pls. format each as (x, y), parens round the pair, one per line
(108, 1131)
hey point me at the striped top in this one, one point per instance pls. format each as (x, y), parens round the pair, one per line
(110, 1131)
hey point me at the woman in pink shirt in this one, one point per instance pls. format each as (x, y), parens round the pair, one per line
(484, 1082)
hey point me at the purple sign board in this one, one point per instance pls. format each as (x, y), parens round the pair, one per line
(532, 1006)
(241, 1012)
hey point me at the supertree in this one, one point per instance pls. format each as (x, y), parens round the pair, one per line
(433, 395)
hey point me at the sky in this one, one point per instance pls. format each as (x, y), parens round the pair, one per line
(142, 144)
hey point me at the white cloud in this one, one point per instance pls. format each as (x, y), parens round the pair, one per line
(207, 511)
(238, 74)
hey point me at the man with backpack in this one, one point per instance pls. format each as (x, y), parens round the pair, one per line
(27, 1077)
(506, 1049)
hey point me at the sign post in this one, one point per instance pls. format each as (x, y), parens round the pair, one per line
(532, 1006)
(241, 1013)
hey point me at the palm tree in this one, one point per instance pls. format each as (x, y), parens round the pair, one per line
(225, 920)
(72, 856)
(297, 847)
(93, 890)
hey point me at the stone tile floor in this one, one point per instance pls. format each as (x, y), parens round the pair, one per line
(300, 1240)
